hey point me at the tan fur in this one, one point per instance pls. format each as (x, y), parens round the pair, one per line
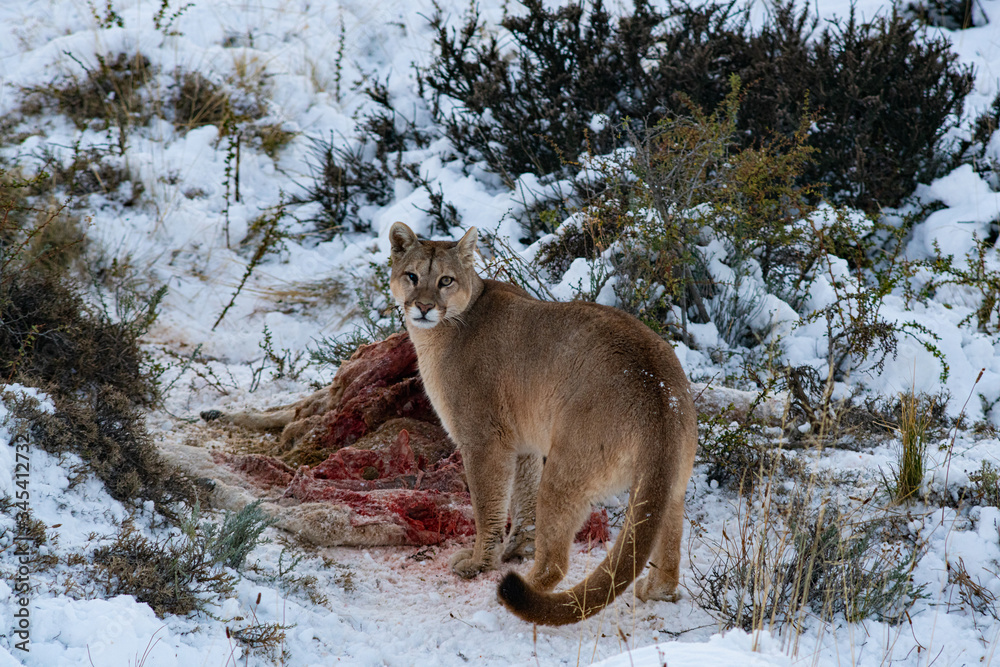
(586, 389)
(295, 420)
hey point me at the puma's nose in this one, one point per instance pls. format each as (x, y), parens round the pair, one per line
(424, 308)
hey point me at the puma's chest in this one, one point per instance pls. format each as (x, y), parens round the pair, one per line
(438, 385)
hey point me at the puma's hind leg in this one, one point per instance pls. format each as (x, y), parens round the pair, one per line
(664, 568)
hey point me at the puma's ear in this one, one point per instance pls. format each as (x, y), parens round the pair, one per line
(467, 246)
(401, 238)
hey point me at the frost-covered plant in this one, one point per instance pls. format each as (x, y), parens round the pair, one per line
(37, 230)
(284, 363)
(349, 173)
(344, 177)
(693, 227)
(527, 103)
(688, 227)
(169, 575)
(980, 273)
(735, 450)
(90, 170)
(174, 574)
(118, 93)
(110, 95)
(87, 358)
(790, 558)
(950, 14)
(986, 484)
(230, 543)
(177, 574)
(856, 272)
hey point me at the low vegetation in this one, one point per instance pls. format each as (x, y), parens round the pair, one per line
(180, 573)
(791, 558)
(121, 92)
(531, 108)
(86, 358)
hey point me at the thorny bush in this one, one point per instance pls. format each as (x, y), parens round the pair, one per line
(532, 108)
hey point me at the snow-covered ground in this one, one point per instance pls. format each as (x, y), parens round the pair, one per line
(382, 606)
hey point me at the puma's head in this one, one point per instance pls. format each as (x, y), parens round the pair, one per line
(432, 281)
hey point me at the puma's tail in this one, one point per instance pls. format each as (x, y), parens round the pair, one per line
(620, 567)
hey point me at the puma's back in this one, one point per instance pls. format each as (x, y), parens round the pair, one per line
(575, 399)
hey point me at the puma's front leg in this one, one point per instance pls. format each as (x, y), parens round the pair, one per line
(489, 470)
(521, 539)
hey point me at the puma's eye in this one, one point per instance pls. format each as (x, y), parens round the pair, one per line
(412, 277)
(445, 281)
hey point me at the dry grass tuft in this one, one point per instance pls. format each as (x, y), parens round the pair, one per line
(916, 416)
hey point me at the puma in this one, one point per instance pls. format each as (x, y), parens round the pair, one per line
(553, 407)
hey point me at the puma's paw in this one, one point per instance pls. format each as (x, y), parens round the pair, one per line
(646, 590)
(519, 547)
(465, 565)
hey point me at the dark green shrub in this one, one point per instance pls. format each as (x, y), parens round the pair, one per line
(884, 94)
(532, 113)
(343, 179)
(347, 174)
(390, 131)
(50, 338)
(950, 14)
(880, 138)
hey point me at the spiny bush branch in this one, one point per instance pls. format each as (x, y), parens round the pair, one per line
(271, 235)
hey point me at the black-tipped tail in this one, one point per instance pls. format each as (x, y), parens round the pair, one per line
(615, 573)
(534, 607)
(513, 591)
